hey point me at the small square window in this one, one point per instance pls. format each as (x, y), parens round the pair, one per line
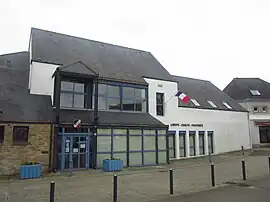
(212, 103)
(254, 92)
(195, 102)
(20, 134)
(255, 109)
(227, 105)
(2, 134)
(264, 109)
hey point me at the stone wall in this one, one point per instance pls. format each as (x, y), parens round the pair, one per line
(37, 149)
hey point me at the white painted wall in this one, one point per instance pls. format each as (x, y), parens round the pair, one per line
(256, 116)
(231, 129)
(41, 81)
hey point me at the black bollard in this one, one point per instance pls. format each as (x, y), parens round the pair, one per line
(52, 189)
(269, 164)
(171, 181)
(244, 170)
(242, 149)
(115, 188)
(213, 174)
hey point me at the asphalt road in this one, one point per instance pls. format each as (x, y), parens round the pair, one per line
(252, 191)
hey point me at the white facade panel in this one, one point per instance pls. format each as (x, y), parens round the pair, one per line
(41, 79)
(257, 116)
(230, 129)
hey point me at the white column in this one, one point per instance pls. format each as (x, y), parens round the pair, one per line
(187, 144)
(197, 146)
(177, 145)
(206, 143)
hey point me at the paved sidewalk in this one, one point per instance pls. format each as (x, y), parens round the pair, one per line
(134, 184)
(252, 191)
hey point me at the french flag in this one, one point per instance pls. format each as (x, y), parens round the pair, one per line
(185, 98)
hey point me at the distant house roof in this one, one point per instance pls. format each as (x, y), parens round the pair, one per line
(110, 61)
(248, 88)
(207, 95)
(15, 101)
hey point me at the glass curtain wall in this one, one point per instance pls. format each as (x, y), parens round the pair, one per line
(135, 147)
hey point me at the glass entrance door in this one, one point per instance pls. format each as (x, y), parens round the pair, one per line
(76, 152)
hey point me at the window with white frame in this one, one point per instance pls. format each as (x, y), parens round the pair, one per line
(195, 102)
(254, 92)
(212, 103)
(227, 105)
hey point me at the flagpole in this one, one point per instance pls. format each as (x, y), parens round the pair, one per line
(169, 98)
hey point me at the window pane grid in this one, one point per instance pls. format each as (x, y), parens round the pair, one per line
(121, 98)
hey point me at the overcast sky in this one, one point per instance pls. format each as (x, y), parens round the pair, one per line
(215, 40)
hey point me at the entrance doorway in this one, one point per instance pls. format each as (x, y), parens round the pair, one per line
(264, 134)
(76, 150)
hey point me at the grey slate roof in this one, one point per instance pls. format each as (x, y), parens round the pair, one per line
(202, 91)
(239, 88)
(110, 61)
(15, 101)
(111, 118)
(17, 104)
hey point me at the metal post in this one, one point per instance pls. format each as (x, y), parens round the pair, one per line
(213, 175)
(52, 189)
(210, 157)
(171, 181)
(269, 164)
(242, 149)
(115, 188)
(70, 166)
(244, 170)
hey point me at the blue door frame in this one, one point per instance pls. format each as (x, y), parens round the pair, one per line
(75, 150)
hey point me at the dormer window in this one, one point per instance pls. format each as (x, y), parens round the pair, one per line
(254, 92)
(195, 102)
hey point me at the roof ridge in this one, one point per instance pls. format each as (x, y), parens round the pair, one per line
(110, 44)
(184, 77)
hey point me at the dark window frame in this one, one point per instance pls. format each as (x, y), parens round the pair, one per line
(192, 134)
(20, 140)
(211, 147)
(160, 105)
(202, 134)
(87, 92)
(182, 134)
(2, 134)
(105, 96)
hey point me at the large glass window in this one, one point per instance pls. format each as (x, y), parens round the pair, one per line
(172, 144)
(210, 142)
(134, 99)
(201, 142)
(111, 97)
(182, 143)
(192, 148)
(73, 95)
(108, 97)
